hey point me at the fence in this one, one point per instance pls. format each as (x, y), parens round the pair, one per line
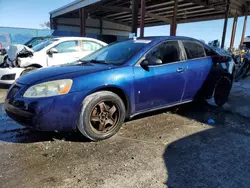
(22, 35)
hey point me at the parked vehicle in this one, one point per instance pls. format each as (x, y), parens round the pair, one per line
(243, 66)
(37, 40)
(95, 94)
(52, 52)
(4, 45)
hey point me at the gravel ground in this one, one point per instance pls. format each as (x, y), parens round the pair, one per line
(174, 148)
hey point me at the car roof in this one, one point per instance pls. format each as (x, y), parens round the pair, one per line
(79, 38)
(159, 38)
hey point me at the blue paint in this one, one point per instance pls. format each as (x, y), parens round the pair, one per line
(145, 90)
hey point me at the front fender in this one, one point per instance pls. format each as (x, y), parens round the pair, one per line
(121, 78)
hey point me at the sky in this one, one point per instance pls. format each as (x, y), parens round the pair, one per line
(32, 13)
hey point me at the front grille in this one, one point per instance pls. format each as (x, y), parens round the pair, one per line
(13, 91)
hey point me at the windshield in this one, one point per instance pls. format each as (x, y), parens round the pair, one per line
(42, 45)
(117, 53)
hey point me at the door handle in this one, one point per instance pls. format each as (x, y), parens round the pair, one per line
(179, 70)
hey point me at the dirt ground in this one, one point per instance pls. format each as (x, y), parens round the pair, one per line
(174, 148)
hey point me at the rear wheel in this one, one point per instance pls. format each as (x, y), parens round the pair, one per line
(102, 115)
(222, 90)
(28, 70)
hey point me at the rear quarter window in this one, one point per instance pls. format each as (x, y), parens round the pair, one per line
(193, 50)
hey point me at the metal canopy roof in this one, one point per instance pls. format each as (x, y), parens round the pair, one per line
(158, 12)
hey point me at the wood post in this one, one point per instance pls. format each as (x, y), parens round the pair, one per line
(233, 32)
(173, 26)
(82, 16)
(244, 30)
(143, 4)
(225, 25)
(135, 12)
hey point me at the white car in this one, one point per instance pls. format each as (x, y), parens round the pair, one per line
(52, 52)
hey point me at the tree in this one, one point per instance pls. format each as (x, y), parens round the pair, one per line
(45, 25)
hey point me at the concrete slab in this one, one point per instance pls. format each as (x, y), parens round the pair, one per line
(239, 98)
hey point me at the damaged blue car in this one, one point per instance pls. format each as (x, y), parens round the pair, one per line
(97, 93)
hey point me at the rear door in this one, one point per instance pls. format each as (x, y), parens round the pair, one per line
(68, 51)
(199, 66)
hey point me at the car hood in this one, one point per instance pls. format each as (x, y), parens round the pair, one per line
(61, 72)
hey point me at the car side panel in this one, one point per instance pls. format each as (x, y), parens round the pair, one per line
(159, 86)
(197, 72)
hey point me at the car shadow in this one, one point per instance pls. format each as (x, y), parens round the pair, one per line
(207, 159)
(216, 157)
(10, 131)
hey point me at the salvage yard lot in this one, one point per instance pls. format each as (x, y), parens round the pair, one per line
(171, 148)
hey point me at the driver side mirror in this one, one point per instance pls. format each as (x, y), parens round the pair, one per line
(30, 46)
(151, 60)
(52, 51)
(144, 64)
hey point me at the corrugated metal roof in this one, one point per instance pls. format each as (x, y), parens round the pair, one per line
(158, 12)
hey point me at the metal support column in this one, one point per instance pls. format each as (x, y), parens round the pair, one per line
(225, 25)
(142, 18)
(135, 12)
(101, 29)
(173, 26)
(53, 24)
(233, 32)
(244, 30)
(82, 16)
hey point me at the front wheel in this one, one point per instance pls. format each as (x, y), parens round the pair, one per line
(102, 115)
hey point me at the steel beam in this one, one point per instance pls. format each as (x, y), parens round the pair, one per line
(173, 26)
(225, 25)
(244, 29)
(233, 32)
(82, 16)
(135, 12)
(142, 20)
(101, 28)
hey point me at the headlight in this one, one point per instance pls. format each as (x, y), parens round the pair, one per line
(48, 89)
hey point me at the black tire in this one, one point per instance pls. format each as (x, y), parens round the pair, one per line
(222, 90)
(90, 105)
(28, 70)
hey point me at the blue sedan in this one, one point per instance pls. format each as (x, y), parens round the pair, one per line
(97, 93)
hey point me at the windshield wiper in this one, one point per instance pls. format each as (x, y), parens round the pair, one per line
(99, 61)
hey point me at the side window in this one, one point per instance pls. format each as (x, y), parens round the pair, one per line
(90, 46)
(66, 47)
(167, 52)
(36, 42)
(210, 52)
(194, 50)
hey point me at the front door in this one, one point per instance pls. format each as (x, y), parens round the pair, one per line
(68, 52)
(162, 84)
